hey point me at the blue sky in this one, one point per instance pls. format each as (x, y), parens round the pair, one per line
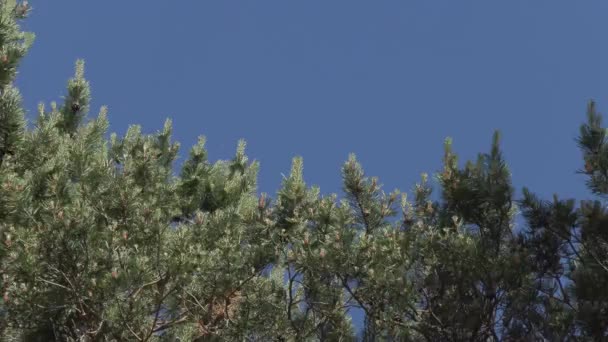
(387, 80)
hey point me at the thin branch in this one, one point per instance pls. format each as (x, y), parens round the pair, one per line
(55, 284)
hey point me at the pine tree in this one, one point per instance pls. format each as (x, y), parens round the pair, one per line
(102, 241)
(569, 246)
(14, 44)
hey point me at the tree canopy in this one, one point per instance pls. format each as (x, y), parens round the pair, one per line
(102, 241)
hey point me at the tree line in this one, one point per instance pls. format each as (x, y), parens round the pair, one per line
(100, 240)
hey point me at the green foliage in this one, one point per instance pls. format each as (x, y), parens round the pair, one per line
(101, 241)
(14, 44)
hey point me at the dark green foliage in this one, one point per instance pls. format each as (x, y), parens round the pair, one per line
(567, 248)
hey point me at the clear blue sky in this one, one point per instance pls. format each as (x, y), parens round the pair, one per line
(388, 80)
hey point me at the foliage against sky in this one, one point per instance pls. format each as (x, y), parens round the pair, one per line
(102, 241)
